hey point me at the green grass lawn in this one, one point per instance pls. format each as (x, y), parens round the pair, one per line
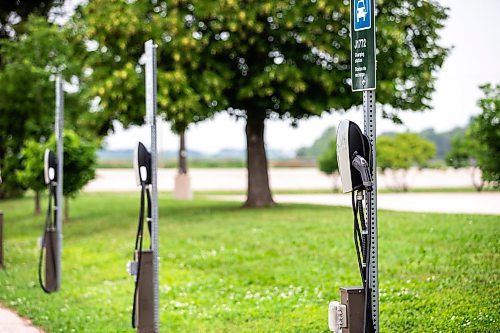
(227, 269)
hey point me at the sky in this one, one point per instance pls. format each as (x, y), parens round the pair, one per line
(471, 31)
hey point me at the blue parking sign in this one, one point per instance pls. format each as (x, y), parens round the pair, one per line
(362, 15)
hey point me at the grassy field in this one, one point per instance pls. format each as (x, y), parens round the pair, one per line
(225, 269)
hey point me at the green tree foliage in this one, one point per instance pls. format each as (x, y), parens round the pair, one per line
(319, 146)
(398, 153)
(486, 130)
(442, 139)
(79, 163)
(31, 173)
(14, 13)
(464, 152)
(291, 60)
(327, 161)
(28, 94)
(480, 146)
(257, 59)
(188, 87)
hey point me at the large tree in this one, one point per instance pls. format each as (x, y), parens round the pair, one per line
(291, 60)
(257, 59)
(28, 95)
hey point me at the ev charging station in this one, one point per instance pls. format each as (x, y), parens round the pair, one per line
(358, 311)
(145, 309)
(49, 265)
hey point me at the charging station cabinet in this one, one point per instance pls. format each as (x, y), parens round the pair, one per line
(145, 310)
(354, 300)
(50, 260)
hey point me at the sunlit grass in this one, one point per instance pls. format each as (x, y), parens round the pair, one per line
(227, 269)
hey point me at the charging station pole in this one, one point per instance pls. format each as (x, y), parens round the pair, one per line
(364, 78)
(371, 203)
(151, 105)
(59, 189)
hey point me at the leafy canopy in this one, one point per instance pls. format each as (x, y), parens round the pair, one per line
(27, 95)
(286, 58)
(291, 59)
(404, 150)
(328, 160)
(188, 87)
(79, 163)
(486, 130)
(31, 173)
(480, 146)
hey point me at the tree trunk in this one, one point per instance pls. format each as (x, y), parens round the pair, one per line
(183, 169)
(66, 210)
(477, 185)
(258, 191)
(38, 208)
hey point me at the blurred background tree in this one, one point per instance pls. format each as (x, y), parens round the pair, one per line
(397, 154)
(189, 88)
(30, 174)
(327, 161)
(79, 165)
(479, 148)
(28, 93)
(463, 153)
(486, 130)
(320, 145)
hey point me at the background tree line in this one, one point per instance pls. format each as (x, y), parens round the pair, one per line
(477, 146)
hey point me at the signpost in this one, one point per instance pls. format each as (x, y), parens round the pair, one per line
(363, 65)
(151, 106)
(363, 78)
(60, 162)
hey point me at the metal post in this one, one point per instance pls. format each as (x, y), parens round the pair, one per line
(371, 209)
(60, 162)
(1, 240)
(151, 105)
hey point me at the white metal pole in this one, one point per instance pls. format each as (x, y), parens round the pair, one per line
(60, 162)
(369, 111)
(151, 106)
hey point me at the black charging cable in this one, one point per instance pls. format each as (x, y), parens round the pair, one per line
(362, 244)
(139, 243)
(49, 225)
